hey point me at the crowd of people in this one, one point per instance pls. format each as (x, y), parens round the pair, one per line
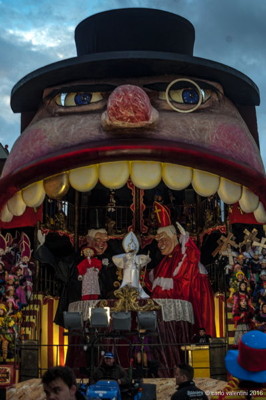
(246, 279)
(246, 369)
(59, 383)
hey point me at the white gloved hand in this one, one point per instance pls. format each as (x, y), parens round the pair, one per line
(40, 237)
(180, 228)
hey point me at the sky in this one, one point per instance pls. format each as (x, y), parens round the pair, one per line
(35, 33)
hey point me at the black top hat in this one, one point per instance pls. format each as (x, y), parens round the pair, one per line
(132, 42)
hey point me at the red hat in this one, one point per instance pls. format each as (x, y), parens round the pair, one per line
(162, 214)
(24, 239)
(249, 361)
(25, 250)
(9, 239)
(2, 243)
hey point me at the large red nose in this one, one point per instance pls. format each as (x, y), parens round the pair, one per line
(129, 103)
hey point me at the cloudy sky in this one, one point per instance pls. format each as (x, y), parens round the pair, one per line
(35, 33)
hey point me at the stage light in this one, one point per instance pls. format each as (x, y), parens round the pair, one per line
(73, 320)
(121, 321)
(99, 317)
(147, 320)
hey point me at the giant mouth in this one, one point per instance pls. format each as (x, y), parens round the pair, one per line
(144, 174)
(210, 149)
(144, 114)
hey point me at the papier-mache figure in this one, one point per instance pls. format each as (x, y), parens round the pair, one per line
(9, 253)
(260, 318)
(243, 317)
(88, 270)
(3, 258)
(9, 331)
(131, 263)
(109, 278)
(11, 300)
(3, 273)
(20, 287)
(180, 274)
(243, 292)
(26, 266)
(259, 294)
(234, 283)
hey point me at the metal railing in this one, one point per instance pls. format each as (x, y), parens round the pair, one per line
(28, 358)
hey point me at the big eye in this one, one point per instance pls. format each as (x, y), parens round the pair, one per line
(189, 95)
(184, 96)
(82, 99)
(185, 92)
(75, 99)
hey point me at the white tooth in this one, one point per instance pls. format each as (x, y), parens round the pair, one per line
(16, 205)
(260, 214)
(145, 174)
(34, 194)
(229, 192)
(204, 183)
(248, 201)
(176, 177)
(6, 215)
(84, 179)
(56, 186)
(114, 175)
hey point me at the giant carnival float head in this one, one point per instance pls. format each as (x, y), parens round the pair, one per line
(134, 104)
(135, 109)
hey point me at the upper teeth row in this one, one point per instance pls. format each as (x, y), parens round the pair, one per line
(144, 175)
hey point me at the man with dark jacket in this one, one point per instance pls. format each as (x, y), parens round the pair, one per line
(201, 337)
(111, 370)
(187, 390)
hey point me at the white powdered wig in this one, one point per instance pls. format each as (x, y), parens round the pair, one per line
(169, 230)
(92, 232)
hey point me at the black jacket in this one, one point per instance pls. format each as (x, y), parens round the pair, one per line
(205, 339)
(114, 372)
(189, 391)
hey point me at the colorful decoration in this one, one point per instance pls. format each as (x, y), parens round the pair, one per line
(16, 270)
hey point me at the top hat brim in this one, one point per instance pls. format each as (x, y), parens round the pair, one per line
(233, 367)
(27, 93)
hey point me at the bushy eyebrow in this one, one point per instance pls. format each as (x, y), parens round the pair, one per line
(104, 87)
(161, 86)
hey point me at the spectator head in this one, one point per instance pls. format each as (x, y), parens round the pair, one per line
(59, 383)
(249, 361)
(184, 373)
(109, 358)
(263, 308)
(202, 331)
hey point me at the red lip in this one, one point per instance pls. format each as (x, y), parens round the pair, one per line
(162, 152)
